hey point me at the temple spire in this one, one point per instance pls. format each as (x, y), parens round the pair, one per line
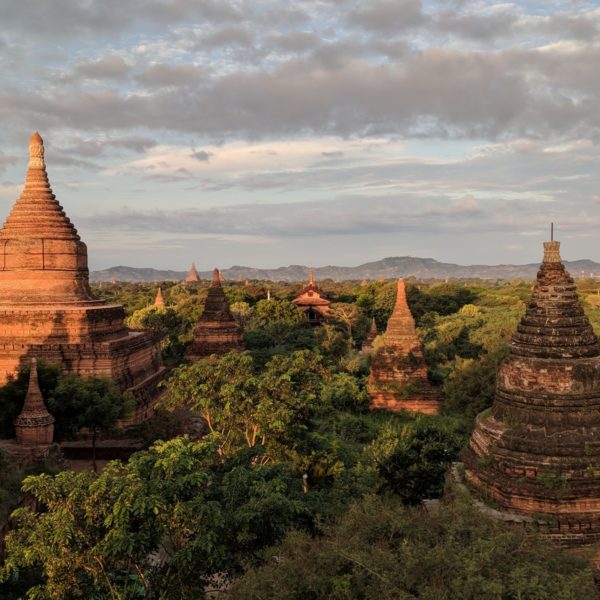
(311, 277)
(159, 301)
(36, 152)
(35, 425)
(216, 278)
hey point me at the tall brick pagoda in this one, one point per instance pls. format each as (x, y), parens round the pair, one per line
(35, 425)
(536, 452)
(192, 276)
(312, 302)
(47, 310)
(217, 332)
(398, 379)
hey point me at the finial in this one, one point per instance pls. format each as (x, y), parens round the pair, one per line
(551, 232)
(311, 277)
(36, 152)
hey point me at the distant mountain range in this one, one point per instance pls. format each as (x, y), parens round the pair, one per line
(387, 268)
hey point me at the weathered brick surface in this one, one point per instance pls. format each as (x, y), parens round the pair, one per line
(217, 332)
(398, 379)
(537, 451)
(47, 310)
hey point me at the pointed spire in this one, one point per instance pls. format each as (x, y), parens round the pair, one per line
(192, 274)
(159, 301)
(311, 277)
(35, 425)
(401, 330)
(216, 278)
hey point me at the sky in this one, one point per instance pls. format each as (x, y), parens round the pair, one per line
(319, 132)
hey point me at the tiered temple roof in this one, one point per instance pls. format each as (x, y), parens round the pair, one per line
(192, 275)
(46, 306)
(537, 451)
(217, 332)
(35, 425)
(312, 302)
(398, 379)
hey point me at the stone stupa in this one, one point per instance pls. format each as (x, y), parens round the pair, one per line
(217, 332)
(35, 425)
(536, 452)
(159, 301)
(47, 310)
(398, 379)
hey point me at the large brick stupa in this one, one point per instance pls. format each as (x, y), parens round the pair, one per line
(536, 453)
(216, 332)
(47, 310)
(398, 379)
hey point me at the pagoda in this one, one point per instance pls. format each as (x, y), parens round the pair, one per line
(217, 332)
(398, 379)
(47, 310)
(368, 343)
(159, 301)
(536, 452)
(312, 302)
(192, 276)
(35, 425)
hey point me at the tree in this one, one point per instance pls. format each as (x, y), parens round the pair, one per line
(381, 550)
(164, 525)
(94, 403)
(243, 408)
(413, 458)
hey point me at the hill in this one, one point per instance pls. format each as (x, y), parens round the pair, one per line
(387, 268)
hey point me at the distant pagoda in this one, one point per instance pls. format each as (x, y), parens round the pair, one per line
(46, 306)
(312, 302)
(536, 452)
(159, 301)
(368, 343)
(398, 379)
(35, 425)
(192, 275)
(217, 332)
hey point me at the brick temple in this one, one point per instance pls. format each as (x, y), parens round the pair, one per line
(47, 310)
(312, 301)
(536, 452)
(398, 379)
(217, 332)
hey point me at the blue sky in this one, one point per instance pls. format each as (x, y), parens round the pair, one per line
(266, 133)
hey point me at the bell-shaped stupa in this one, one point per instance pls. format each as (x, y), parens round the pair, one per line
(398, 379)
(217, 332)
(46, 307)
(536, 452)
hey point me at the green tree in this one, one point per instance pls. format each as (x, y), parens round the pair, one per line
(381, 550)
(413, 458)
(94, 404)
(164, 525)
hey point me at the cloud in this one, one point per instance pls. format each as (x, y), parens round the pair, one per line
(164, 75)
(388, 16)
(109, 67)
(202, 155)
